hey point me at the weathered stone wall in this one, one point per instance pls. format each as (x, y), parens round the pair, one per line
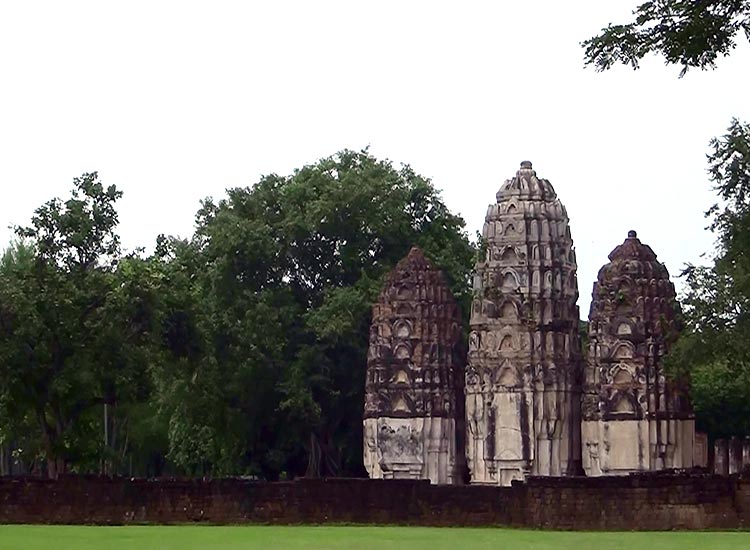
(652, 502)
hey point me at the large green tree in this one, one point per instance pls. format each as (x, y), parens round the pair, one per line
(286, 274)
(690, 33)
(241, 350)
(715, 352)
(74, 324)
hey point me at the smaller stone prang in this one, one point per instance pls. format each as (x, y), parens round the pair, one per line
(413, 417)
(634, 419)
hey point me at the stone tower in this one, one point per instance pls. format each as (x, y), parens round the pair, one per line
(413, 419)
(633, 418)
(523, 380)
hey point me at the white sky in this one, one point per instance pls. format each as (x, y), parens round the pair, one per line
(176, 101)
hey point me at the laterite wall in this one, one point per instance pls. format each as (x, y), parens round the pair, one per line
(634, 502)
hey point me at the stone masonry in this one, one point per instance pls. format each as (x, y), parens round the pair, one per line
(531, 404)
(633, 418)
(523, 379)
(413, 418)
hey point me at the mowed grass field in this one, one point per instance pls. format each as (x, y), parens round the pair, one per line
(188, 537)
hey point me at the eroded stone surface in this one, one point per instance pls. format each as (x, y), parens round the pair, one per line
(524, 370)
(633, 418)
(413, 418)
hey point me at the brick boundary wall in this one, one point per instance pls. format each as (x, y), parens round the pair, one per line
(637, 502)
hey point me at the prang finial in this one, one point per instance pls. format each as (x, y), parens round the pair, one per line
(526, 164)
(632, 234)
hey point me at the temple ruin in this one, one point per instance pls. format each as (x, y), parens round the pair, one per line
(527, 403)
(524, 369)
(413, 419)
(633, 418)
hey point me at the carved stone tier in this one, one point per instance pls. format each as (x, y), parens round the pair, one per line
(413, 419)
(523, 379)
(633, 418)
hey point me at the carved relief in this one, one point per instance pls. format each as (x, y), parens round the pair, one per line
(403, 442)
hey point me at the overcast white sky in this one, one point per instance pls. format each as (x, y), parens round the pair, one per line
(176, 101)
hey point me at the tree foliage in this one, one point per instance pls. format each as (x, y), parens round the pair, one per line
(716, 349)
(73, 324)
(289, 269)
(238, 351)
(690, 33)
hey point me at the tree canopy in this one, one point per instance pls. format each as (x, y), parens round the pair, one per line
(715, 351)
(289, 269)
(74, 321)
(690, 33)
(238, 351)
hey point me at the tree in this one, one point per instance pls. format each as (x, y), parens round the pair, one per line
(241, 350)
(191, 391)
(288, 270)
(18, 450)
(74, 324)
(691, 33)
(715, 352)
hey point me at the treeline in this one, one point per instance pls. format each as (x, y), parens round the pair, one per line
(239, 351)
(242, 350)
(713, 351)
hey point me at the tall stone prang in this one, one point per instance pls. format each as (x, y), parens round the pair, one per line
(634, 419)
(413, 419)
(524, 373)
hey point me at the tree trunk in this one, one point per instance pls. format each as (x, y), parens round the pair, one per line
(323, 457)
(4, 460)
(313, 457)
(55, 463)
(51, 465)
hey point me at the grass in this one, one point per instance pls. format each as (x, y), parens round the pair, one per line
(34, 537)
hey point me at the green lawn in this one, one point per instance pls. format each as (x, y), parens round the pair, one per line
(32, 537)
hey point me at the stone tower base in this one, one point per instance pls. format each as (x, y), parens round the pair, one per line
(619, 447)
(411, 448)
